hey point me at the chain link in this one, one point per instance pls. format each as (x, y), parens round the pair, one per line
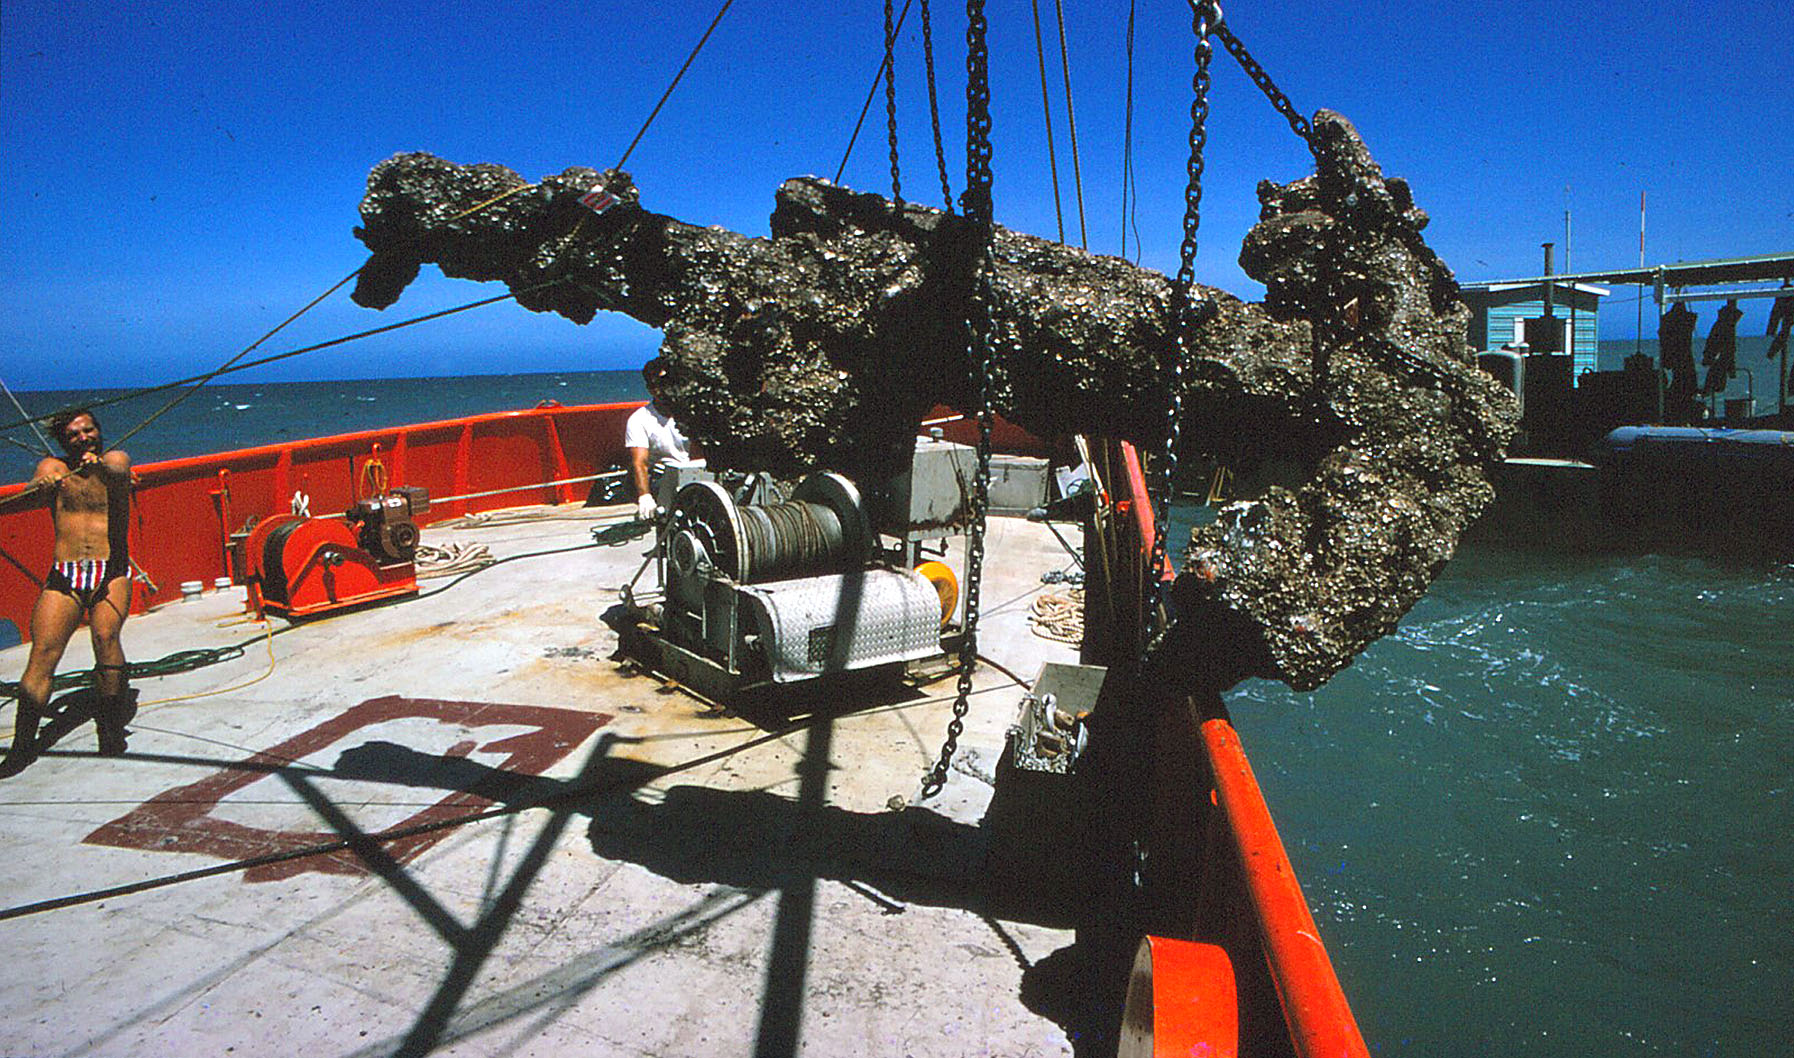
(1264, 82)
(891, 100)
(976, 204)
(934, 109)
(1184, 312)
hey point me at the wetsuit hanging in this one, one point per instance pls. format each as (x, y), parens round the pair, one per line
(1781, 322)
(1722, 348)
(1675, 349)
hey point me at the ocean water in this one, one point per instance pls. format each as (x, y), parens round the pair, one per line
(1548, 816)
(222, 416)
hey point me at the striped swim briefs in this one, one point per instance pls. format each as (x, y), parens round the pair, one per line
(85, 579)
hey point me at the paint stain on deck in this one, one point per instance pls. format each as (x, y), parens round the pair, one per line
(185, 818)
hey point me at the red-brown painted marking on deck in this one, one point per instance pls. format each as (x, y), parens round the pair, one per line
(181, 819)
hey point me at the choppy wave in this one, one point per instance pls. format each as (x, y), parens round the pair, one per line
(1553, 803)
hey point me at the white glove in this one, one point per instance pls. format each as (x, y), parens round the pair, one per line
(644, 507)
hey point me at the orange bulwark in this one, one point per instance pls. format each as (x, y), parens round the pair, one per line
(187, 511)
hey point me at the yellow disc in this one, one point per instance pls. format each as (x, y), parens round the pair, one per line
(944, 582)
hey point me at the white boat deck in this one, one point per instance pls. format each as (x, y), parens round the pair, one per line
(688, 882)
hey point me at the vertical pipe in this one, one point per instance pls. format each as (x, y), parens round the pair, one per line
(1638, 341)
(463, 467)
(558, 455)
(1550, 287)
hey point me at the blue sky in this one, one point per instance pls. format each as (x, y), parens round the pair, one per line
(180, 178)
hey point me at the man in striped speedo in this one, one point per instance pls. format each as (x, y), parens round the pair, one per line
(90, 577)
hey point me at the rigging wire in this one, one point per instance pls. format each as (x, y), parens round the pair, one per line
(689, 59)
(258, 362)
(250, 348)
(1046, 109)
(866, 107)
(34, 427)
(1071, 122)
(1129, 200)
(199, 381)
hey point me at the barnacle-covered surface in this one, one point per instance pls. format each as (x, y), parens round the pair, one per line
(825, 344)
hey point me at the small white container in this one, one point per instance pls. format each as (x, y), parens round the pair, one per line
(191, 589)
(220, 583)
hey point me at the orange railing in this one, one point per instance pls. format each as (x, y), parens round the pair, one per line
(185, 510)
(1210, 817)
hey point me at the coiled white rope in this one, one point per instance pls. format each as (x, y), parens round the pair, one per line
(1059, 616)
(456, 558)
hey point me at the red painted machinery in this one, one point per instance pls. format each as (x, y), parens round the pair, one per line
(302, 567)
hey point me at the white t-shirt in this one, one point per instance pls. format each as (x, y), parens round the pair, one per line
(649, 427)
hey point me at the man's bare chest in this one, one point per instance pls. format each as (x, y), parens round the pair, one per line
(83, 494)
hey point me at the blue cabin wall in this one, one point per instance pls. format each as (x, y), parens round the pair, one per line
(1493, 312)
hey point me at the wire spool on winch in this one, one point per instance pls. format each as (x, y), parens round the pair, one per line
(821, 529)
(273, 563)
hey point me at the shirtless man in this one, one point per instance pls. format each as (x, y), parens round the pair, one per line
(90, 576)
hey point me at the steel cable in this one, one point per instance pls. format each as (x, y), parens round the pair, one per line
(689, 59)
(1071, 125)
(866, 107)
(1046, 109)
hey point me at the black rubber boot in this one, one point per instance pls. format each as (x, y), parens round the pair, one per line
(24, 741)
(114, 714)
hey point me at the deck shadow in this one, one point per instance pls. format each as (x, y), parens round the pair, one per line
(756, 841)
(743, 839)
(64, 716)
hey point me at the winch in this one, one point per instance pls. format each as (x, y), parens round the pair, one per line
(768, 592)
(301, 566)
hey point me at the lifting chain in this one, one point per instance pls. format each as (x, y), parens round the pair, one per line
(934, 109)
(1262, 79)
(1185, 314)
(891, 101)
(976, 205)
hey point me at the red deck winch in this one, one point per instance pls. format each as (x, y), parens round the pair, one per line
(301, 567)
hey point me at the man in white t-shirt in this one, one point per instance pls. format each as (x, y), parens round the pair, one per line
(652, 439)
